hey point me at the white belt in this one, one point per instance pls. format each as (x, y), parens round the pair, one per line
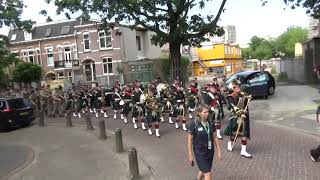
(117, 99)
(179, 100)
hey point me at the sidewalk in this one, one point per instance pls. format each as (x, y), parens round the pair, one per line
(69, 153)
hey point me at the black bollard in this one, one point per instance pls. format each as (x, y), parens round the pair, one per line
(133, 164)
(102, 127)
(88, 122)
(68, 118)
(118, 140)
(41, 118)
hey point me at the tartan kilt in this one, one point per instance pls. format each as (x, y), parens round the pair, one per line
(135, 110)
(178, 110)
(165, 108)
(192, 103)
(116, 105)
(232, 127)
(152, 116)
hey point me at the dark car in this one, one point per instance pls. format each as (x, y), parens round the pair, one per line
(256, 83)
(14, 112)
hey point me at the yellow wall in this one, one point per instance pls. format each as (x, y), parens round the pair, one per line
(219, 55)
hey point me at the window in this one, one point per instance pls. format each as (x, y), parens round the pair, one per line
(70, 76)
(132, 68)
(38, 56)
(226, 50)
(27, 36)
(60, 55)
(60, 75)
(24, 55)
(13, 37)
(86, 42)
(31, 56)
(105, 39)
(258, 78)
(49, 52)
(107, 66)
(67, 54)
(138, 41)
(48, 32)
(65, 30)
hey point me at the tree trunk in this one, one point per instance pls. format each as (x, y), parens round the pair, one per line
(175, 57)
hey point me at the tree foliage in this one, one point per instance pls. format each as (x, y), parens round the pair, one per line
(171, 20)
(312, 6)
(282, 46)
(286, 41)
(27, 73)
(10, 14)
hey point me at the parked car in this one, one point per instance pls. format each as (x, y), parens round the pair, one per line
(14, 112)
(256, 83)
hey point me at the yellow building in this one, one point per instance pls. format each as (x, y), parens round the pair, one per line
(218, 59)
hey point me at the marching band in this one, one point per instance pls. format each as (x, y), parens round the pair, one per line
(150, 105)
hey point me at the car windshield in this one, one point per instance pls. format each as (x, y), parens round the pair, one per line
(17, 103)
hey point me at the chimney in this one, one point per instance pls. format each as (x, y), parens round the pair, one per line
(48, 19)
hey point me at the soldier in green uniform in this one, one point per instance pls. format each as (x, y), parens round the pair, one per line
(35, 100)
(43, 99)
(239, 124)
(49, 100)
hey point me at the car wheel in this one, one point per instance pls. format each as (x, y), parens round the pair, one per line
(271, 90)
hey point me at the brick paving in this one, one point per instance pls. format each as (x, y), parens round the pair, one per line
(277, 153)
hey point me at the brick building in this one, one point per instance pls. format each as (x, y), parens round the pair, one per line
(76, 50)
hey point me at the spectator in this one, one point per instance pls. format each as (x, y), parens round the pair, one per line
(201, 143)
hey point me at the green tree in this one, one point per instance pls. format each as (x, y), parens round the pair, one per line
(171, 20)
(312, 6)
(286, 41)
(27, 73)
(246, 53)
(10, 14)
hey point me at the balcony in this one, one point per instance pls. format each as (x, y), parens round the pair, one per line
(66, 64)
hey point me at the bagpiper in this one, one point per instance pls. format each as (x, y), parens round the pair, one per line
(166, 103)
(153, 112)
(193, 98)
(116, 98)
(138, 111)
(127, 98)
(179, 107)
(239, 124)
(214, 104)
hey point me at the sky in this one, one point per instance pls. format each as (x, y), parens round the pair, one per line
(249, 17)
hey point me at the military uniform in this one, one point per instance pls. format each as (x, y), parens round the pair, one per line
(179, 107)
(215, 108)
(138, 107)
(166, 103)
(239, 117)
(153, 112)
(127, 98)
(116, 98)
(193, 99)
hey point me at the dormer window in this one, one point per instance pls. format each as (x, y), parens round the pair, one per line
(27, 36)
(48, 32)
(65, 30)
(13, 37)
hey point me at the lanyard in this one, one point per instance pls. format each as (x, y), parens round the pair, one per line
(207, 129)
